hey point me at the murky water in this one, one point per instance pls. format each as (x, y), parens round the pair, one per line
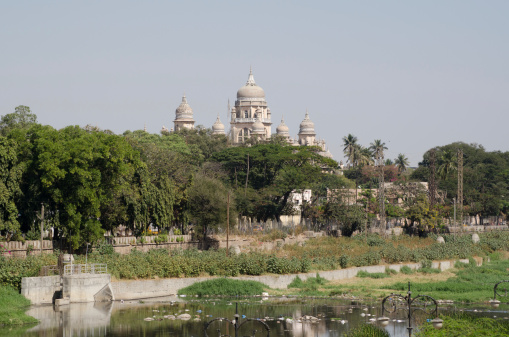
(281, 315)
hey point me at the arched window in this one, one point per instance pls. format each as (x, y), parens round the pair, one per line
(243, 135)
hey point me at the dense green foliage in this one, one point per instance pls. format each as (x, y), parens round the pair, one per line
(90, 180)
(12, 307)
(465, 325)
(263, 176)
(225, 287)
(485, 178)
(13, 269)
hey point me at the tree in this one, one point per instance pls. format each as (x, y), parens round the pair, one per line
(401, 163)
(363, 156)
(447, 164)
(10, 179)
(21, 118)
(208, 204)
(350, 148)
(377, 148)
(264, 176)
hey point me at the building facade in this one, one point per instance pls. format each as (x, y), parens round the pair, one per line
(251, 117)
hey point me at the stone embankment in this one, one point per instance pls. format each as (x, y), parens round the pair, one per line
(98, 288)
(138, 289)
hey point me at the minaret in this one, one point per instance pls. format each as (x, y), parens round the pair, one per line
(307, 131)
(183, 116)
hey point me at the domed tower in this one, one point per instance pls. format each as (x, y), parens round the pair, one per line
(183, 116)
(258, 129)
(249, 106)
(218, 127)
(307, 131)
(283, 130)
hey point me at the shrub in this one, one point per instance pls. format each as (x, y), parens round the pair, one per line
(343, 261)
(224, 286)
(363, 274)
(406, 270)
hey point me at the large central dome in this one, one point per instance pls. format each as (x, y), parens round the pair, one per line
(250, 90)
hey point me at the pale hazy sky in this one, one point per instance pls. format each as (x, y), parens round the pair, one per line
(416, 74)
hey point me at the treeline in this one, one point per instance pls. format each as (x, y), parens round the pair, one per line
(89, 181)
(485, 179)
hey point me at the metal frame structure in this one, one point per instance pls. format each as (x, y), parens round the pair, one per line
(425, 303)
(91, 268)
(236, 324)
(494, 302)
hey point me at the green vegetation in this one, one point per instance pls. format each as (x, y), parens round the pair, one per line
(225, 287)
(367, 330)
(318, 254)
(471, 284)
(464, 325)
(363, 273)
(13, 269)
(12, 307)
(308, 287)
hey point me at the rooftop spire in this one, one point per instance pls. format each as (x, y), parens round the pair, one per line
(250, 79)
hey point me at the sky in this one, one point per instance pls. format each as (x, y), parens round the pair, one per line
(415, 74)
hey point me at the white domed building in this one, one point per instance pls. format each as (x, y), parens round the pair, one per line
(250, 108)
(251, 117)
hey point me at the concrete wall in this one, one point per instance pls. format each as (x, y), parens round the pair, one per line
(40, 290)
(22, 249)
(128, 290)
(83, 287)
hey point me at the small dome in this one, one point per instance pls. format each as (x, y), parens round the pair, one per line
(258, 127)
(307, 126)
(282, 129)
(184, 110)
(217, 127)
(250, 90)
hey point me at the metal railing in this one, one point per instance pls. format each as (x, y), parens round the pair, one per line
(91, 268)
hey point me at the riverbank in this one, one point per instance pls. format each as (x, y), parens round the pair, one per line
(464, 283)
(13, 307)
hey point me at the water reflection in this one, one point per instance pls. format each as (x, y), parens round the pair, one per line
(153, 318)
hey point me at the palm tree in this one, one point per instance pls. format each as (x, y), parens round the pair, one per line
(377, 147)
(401, 162)
(350, 146)
(448, 164)
(363, 156)
(388, 162)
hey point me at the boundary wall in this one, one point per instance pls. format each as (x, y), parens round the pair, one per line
(139, 289)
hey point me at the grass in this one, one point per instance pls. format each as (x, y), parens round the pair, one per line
(467, 283)
(224, 287)
(310, 286)
(12, 307)
(464, 325)
(362, 273)
(470, 283)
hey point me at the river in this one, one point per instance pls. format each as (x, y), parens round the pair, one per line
(153, 317)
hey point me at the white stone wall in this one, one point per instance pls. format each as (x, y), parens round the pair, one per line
(40, 290)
